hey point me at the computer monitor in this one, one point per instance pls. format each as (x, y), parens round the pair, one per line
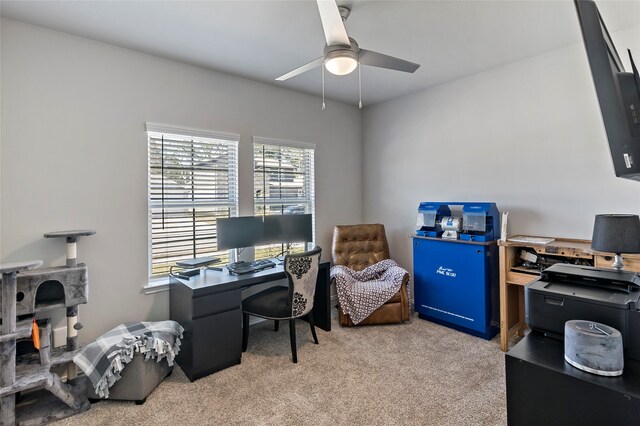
(239, 232)
(288, 228)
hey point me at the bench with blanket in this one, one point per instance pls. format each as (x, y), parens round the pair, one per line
(150, 347)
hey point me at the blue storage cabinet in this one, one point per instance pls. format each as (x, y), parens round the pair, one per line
(456, 284)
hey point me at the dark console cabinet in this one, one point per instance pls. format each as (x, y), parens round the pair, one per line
(542, 389)
(212, 330)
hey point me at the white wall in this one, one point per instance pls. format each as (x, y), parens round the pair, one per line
(528, 136)
(73, 154)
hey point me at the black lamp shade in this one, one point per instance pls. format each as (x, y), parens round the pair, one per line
(616, 233)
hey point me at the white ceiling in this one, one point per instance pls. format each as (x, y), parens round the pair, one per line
(262, 40)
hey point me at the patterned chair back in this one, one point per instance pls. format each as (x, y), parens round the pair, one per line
(302, 271)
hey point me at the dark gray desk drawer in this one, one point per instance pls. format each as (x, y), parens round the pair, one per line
(214, 303)
(217, 341)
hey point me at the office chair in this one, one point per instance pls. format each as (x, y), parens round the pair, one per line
(287, 303)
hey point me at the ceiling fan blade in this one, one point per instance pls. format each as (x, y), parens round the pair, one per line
(306, 67)
(380, 60)
(332, 23)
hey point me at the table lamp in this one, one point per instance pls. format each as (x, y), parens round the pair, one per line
(616, 233)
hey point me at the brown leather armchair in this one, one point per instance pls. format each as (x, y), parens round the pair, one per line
(359, 246)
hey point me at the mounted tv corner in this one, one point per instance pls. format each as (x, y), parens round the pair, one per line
(618, 91)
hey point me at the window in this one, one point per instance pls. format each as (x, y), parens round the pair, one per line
(193, 179)
(283, 182)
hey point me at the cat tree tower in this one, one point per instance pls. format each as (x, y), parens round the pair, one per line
(25, 292)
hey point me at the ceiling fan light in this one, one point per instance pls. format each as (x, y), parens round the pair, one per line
(340, 62)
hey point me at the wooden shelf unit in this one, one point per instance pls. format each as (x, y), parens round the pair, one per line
(513, 278)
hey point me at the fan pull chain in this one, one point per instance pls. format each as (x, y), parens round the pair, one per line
(323, 86)
(359, 86)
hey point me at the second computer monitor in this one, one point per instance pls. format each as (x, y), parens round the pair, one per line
(288, 228)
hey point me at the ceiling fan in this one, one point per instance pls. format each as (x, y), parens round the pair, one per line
(342, 54)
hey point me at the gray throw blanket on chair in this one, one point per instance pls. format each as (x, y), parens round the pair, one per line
(103, 360)
(360, 293)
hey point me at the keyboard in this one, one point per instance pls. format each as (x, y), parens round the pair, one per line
(243, 267)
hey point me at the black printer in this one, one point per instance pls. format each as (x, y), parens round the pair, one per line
(571, 292)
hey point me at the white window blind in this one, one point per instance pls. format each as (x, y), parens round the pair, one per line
(284, 183)
(192, 181)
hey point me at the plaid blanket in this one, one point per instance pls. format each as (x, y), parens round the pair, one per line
(103, 360)
(360, 293)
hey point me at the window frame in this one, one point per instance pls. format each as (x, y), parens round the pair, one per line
(309, 184)
(230, 140)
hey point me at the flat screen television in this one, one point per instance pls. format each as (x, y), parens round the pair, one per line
(239, 232)
(288, 228)
(618, 91)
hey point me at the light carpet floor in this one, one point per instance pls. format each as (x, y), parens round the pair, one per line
(417, 373)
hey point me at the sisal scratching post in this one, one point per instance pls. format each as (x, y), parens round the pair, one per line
(72, 312)
(72, 243)
(8, 347)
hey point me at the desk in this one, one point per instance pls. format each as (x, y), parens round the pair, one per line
(209, 307)
(514, 278)
(543, 389)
